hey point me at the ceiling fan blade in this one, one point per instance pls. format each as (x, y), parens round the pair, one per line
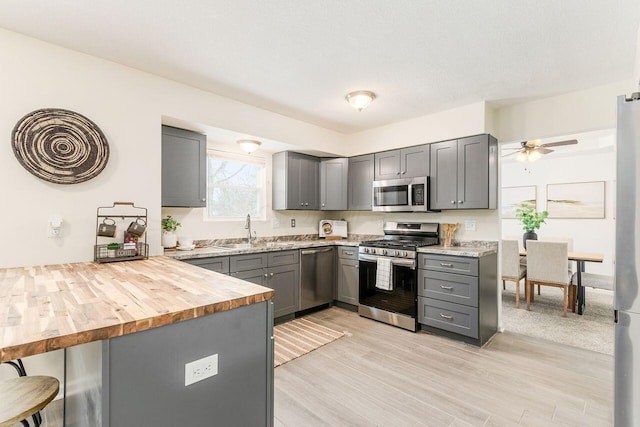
(517, 149)
(544, 150)
(511, 154)
(560, 143)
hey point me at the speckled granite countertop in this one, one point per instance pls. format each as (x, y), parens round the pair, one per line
(469, 249)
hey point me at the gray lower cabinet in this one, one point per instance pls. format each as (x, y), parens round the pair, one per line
(361, 173)
(184, 168)
(279, 271)
(409, 162)
(217, 264)
(348, 275)
(295, 181)
(458, 297)
(333, 184)
(464, 173)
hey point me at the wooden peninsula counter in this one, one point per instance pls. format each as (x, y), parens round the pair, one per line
(129, 328)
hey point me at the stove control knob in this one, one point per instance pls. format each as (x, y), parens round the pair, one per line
(365, 250)
(384, 252)
(405, 254)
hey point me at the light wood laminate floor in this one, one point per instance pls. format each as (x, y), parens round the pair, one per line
(379, 375)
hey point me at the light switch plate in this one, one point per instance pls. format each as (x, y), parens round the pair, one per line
(470, 225)
(200, 369)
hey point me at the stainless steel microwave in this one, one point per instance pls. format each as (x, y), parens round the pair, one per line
(401, 195)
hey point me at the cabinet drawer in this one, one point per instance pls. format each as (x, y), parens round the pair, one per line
(247, 262)
(217, 264)
(283, 258)
(449, 264)
(349, 252)
(456, 318)
(456, 288)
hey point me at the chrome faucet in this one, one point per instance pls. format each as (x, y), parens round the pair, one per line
(247, 226)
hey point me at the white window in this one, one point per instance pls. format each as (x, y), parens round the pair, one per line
(235, 186)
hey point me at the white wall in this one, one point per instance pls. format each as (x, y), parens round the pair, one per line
(128, 105)
(462, 121)
(589, 235)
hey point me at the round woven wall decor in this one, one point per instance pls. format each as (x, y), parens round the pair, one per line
(60, 146)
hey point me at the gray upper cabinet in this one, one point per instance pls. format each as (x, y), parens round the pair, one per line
(407, 162)
(184, 168)
(295, 181)
(361, 173)
(464, 173)
(333, 184)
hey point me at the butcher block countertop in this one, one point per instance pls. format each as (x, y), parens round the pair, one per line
(50, 307)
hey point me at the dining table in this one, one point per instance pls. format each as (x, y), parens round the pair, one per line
(580, 258)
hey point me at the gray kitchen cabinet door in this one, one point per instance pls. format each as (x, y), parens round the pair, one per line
(387, 165)
(347, 281)
(414, 161)
(184, 168)
(285, 281)
(444, 174)
(258, 276)
(334, 174)
(310, 182)
(361, 173)
(295, 181)
(477, 172)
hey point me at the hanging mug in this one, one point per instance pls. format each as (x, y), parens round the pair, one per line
(107, 228)
(137, 227)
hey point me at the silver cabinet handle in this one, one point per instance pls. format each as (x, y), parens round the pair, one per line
(306, 204)
(459, 202)
(446, 264)
(453, 202)
(404, 172)
(444, 316)
(323, 205)
(271, 274)
(204, 199)
(265, 274)
(348, 253)
(448, 288)
(301, 204)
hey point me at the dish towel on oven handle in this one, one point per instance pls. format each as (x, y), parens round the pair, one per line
(384, 274)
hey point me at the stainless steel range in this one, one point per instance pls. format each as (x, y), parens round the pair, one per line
(388, 274)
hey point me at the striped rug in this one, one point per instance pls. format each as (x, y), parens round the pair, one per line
(299, 337)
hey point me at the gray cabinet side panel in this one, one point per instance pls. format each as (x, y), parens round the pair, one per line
(184, 168)
(348, 281)
(279, 181)
(488, 295)
(444, 174)
(147, 371)
(493, 173)
(473, 172)
(333, 184)
(415, 161)
(361, 172)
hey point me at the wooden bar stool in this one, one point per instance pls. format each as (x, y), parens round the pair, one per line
(25, 396)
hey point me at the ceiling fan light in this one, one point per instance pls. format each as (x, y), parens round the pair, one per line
(360, 99)
(533, 155)
(522, 156)
(249, 145)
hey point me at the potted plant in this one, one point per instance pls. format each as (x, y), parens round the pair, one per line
(531, 220)
(111, 249)
(169, 226)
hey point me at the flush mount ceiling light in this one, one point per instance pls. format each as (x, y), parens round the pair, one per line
(360, 99)
(249, 145)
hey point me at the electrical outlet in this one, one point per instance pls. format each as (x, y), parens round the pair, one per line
(200, 369)
(293, 223)
(470, 225)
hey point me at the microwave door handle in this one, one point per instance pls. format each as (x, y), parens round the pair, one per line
(410, 195)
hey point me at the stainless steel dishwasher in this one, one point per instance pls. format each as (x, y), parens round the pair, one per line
(316, 277)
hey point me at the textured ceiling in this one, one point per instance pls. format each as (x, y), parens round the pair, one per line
(300, 58)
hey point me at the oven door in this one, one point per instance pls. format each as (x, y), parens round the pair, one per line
(401, 299)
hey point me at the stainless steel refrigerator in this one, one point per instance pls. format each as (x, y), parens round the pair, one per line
(627, 298)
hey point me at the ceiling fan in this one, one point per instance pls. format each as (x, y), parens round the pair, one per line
(532, 150)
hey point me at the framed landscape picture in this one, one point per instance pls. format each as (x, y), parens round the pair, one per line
(576, 200)
(516, 197)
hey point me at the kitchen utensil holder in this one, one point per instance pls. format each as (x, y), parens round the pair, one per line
(126, 251)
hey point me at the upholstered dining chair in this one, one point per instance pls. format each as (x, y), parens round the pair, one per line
(512, 270)
(548, 265)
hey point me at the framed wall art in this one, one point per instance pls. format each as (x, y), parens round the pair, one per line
(516, 197)
(576, 200)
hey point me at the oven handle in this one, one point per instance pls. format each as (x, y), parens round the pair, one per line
(411, 263)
